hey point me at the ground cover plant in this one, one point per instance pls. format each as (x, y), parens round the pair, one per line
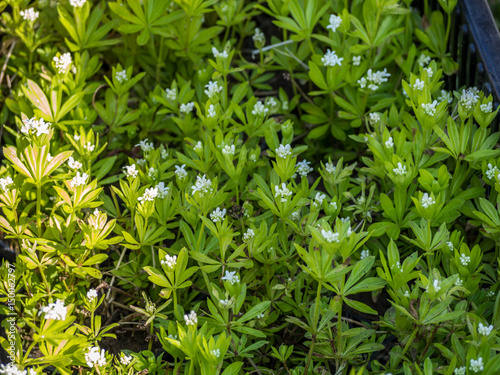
(244, 187)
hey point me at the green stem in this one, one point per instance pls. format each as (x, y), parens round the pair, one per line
(315, 322)
(151, 332)
(39, 209)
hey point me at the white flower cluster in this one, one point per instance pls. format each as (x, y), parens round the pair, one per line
(318, 199)
(469, 97)
(283, 193)
(223, 54)
(356, 60)
(400, 170)
(476, 365)
(492, 171)
(180, 172)
(460, 370)
(459, 282)
(430, 108)
(121, 76)
(484, 330)
(149, 195)
(487, 108)
(283, 151)
(62, 62)
(171, 94)
(162, 190)
(203, 185)
(229, 150)
(34, 126)
(198, 147)
(232, 277)
(374, 118)
(95, 358)
(445, 96)
(218, 215)
(131, 171)
(11, 369)
(91, 294)
(56, 311)
(77, 3)
(330, 236)
(5, 182)
(429, 71)
(126, 359)
(436, 284)
(211, 111)
(215, 353)
(30, 14)
(418, 85)
(169, 261)
(330, 168)
(191, 319)
(450, 245)
(73, 164)
(145, 146)
(424, 60)
(373, 80)
(389, 143)
(248, 235)
(213, 89)
(427, 201)
(259, 109)
(187, 108)
(259, 39)
(331, 59)
(365, 254)
(464, 259)
(335, 22)
(303, 168)
(89, 147)
(78, 180)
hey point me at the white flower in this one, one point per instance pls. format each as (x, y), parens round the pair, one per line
(49, 157)
(487, 108)
(149, 195)
(436, 285)
(213, 89)
(169, 261)
(430, 72)
(229, 150)
(125, 360)
(330, 168)
(79, 179)
(284, 105)
(30, 14)
(418, 85)
(335, 21)
(260, 316)
(145, 146)
(199, 146)
(430, 108)
(211, 111)
(491, 293)
(232, 277)
(96, 358)
(330, 236)
(295, 216)
(374, 118)
(356, 60)
(218, 215)
(389, 143)
(464, 259)
(62, 62)
(492, 171)
(180, 172)
(164, 154)
(215, 353)
(259, 109)
(283, 151)
(331, 59)
(476, 365)
(283, 192)
(89, 147)
(373, 80)
(334, 205)
(248, 235)
(77, 3)
(450, 245)
(73, 164)
(76, 137)
(424, 60)
(56, 311)
(303, 168)
(37, 127)
(203, 185)
(365, 254)
(400, 170)
(5, 183)
(460, 371)
(459, 282)
(259, 39)
(427, 201)
(11, 369)
(469, 97)
(162, 190)
(152, 173)
(484, 330)
(445, 96)
(188, 107)
(222, 54)
(130, 171)
(319, 198)
(397, 265)
(271, 102)
(121, 76)
(91, 294)
(406, 294)
(171, 94)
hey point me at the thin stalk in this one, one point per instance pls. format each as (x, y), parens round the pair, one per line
(39, 209)
(151, 332)
(315, 322)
